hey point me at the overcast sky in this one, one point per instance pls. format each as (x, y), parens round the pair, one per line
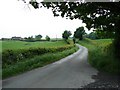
(16, 19)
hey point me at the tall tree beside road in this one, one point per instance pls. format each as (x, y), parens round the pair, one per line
(79, 33)
(38, 37)
(66, 34)
(47, 38)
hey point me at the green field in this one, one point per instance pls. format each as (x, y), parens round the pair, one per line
(25, 45)
(101, 55)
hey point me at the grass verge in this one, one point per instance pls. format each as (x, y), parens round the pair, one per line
(100, 55)
(37, 61)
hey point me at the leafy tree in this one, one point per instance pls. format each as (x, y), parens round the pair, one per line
(30, 39)
(102, 34)
(25, 38)
(74, 40)
(38, 37)
(79, 33)
(104, 15)
(47, 38)
(92, 35)
(66, 34)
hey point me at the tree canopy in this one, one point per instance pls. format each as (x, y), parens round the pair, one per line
(38, 37)
(79, 33)
(104, 15)
(92, 35)
(66, 34)
(47, 38)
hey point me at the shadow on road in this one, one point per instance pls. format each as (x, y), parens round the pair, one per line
(104, 80)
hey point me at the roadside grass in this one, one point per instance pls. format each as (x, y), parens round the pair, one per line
(0, 71)
(14, 45)
(37, 61)
(0, 59)
(0, 46)
(101, 56)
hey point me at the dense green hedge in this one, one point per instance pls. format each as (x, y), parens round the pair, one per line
(13, 56)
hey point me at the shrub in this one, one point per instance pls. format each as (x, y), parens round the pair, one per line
(13, 56)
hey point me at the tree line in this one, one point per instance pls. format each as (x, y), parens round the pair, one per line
(80, 34)
(37, 38)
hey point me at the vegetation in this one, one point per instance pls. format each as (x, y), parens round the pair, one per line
(11, 56)
(14, 45)
(21, 56)
(92, 35)
(101, 55)
(94, 14)
(79, 33)
(38, 37)
(37, 61)
(30, 39)
(100, 34)
(66, 34)
(0, 46)
(47, 38)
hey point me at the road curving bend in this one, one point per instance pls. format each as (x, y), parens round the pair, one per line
(73, 71)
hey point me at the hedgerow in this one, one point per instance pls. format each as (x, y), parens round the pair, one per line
(12, 56)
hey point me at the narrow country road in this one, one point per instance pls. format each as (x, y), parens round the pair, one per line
(70, 72)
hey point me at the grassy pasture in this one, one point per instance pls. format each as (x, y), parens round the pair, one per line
(25, 45)
(101, 55)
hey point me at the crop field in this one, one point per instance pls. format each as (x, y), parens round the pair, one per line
(25, 45)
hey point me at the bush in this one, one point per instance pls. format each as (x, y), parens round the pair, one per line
(13, 56)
